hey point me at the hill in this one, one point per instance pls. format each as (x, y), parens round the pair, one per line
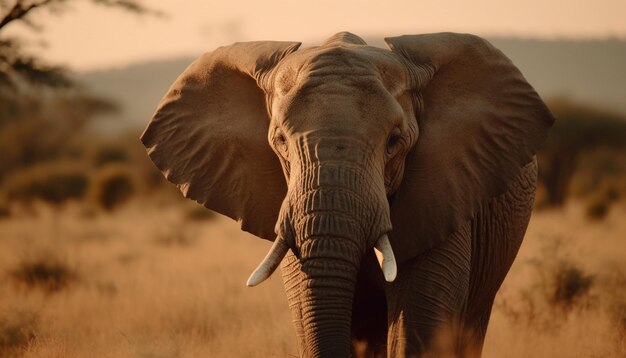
(587, 71)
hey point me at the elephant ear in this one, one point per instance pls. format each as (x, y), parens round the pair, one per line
(209, 135)
(479, 123)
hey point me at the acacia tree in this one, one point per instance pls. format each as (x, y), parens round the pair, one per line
(18, 67)
(41, 109)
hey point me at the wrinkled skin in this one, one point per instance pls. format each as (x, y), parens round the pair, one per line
(330, 149)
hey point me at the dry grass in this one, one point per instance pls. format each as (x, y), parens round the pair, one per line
(565, 295)
(137, 297)
(152, 280)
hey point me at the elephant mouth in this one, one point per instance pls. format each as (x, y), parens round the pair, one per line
(314, 228)
(329, 223)
(278, 251)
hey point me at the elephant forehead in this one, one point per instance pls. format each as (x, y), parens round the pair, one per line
(338, 84)
(336, 106)
(348, 66)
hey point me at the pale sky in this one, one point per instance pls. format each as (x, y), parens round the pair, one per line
(91, 37)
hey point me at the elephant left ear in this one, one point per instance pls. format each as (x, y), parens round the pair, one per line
(479, 123)
(209, 134)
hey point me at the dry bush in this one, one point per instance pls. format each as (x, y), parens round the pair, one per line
(558, 288)
(599, 203)
(112, 186)
(51, 182)
(571, 286)
(197, 212)
(175, 237)
(138, 299)
(5, 210)
(109, 153)
(126, 149)
(17, 331)
(103, 173)
(597, 207)
(49, 154)
(36, 129)
(151, 178)
(602, 170)
(565, 294)
(600, 181)
(541, 197)
(615, 282)
(578, 130)
(45, 271)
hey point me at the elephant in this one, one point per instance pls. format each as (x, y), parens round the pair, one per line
(396, 184)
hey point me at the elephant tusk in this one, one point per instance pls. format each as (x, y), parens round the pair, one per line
(386, 259)
(270, 262)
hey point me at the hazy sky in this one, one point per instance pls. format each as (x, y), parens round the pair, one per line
(90, 37)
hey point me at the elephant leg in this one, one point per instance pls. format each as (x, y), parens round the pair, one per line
(473, 332)
(369, 312)
(427, 300)
(451, 288)
(497, 233)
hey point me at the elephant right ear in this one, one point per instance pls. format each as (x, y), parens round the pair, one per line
(479, 123)
(209, 135)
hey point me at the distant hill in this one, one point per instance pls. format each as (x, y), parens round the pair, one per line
(592, 72)
(136, 88)
(589, 71)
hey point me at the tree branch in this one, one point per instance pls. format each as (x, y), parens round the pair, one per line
(17, 67)
(130, 6)
(19, 10)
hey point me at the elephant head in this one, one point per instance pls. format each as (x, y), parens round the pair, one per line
(335, 150)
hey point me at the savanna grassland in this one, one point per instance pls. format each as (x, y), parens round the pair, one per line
(144, 281)
(161, 277)
(100, 257)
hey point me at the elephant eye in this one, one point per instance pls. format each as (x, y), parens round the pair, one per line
(280, 143)
(394, 140)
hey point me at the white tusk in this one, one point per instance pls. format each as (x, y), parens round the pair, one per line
(386, 259)
(270, 262)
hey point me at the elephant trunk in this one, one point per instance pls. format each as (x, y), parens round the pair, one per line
(335, 218)
(327, 294)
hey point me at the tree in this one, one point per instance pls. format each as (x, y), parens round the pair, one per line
(42, 111)
(20, 69)
(578, 130)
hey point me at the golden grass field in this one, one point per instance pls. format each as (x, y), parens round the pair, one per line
(157, 279)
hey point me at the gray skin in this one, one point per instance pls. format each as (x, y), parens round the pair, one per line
(327, 150)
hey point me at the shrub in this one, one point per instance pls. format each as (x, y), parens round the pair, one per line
(107, 154)
(598, 203)
(17, 331)
(558, 288)
(175, 237)
(112, 186)
(46, 272)
(5, 211)
(571, 284)
(578, 130)
(36, 128)
(196, 212)
(597, 208)
(601, 171)
(51, 182)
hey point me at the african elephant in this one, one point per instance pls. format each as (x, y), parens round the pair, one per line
(420, 159)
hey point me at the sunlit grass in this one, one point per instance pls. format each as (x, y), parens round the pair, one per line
(141, 292)
(565, 295)
(157, 280)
